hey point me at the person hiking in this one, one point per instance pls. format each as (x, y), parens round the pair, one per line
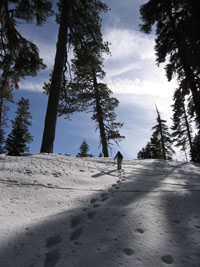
(119, 158)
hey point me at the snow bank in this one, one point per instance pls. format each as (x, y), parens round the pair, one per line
(80, 212)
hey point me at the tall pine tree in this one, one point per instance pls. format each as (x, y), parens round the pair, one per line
(18, 56)
(16, 143)
(87, 70)
(5, 96)
(196, 148)
(177, 41)
(77, 19)
(182, 129)
(84, 90)
(160, 145)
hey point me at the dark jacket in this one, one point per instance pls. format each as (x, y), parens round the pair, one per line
(118, 156)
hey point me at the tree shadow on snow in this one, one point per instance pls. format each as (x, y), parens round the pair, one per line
(112, 228)
(105, 173)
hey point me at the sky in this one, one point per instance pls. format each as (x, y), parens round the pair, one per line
(131, 73)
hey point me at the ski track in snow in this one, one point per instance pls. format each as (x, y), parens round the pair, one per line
(64, 211)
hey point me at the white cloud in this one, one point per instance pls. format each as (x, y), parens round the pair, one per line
(126, 43)
(137, 86)
(133, 74)
(47, 53)
(119, 70)
(31, 86)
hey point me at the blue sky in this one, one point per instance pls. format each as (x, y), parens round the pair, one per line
(131, 73)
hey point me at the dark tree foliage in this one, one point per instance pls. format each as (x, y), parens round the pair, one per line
(161, 131)
(2, 141)
(177, 41)
(88, 93)
(196, 148)
(182, 130)
(160, 145)
(4, 108)
(17, 140)
(103, 113)
(18, 56)
(77, 20)
(84, 149)
(145, 152)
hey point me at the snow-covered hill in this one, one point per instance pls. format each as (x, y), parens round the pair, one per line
(81, 212)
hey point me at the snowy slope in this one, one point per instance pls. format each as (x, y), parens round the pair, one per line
(63, 211)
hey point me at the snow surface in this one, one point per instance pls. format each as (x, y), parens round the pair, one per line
(81, 212)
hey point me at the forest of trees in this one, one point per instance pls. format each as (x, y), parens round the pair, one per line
(177, 45)
(77, 84)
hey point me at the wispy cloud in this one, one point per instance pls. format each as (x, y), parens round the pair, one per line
(125, 43)
(31, 86)
(47, 53)
(133, 74)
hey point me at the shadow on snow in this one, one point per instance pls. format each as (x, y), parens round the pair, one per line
(117, 225)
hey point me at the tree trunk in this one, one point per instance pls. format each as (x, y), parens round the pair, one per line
(188, 132)
(161, 135)
(54, 93)
(100, 117)
(1, 111)
(191, 81)
(162, 142)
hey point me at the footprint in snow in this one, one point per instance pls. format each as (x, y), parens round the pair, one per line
(53, 240)
(197, 226)
(139, 230)
(104, 197)
(76, 220)
(176, 221)
(93, 200)
(57, 175)
(28, 171)
(91, 214)
(96, 206)
(76, 234)
(128, 251)
(110, 190)
(52, 258)
(168, 259)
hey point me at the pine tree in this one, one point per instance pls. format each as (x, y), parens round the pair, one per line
(104, 114)
(92, 94)
(84, 148)
(77, 21)
(196, 148)
(18, 56)
(5, 96)
(160, 145)
(163, 136)
(182, 130)
(145, 152)
(177, 41)
(19, 137)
